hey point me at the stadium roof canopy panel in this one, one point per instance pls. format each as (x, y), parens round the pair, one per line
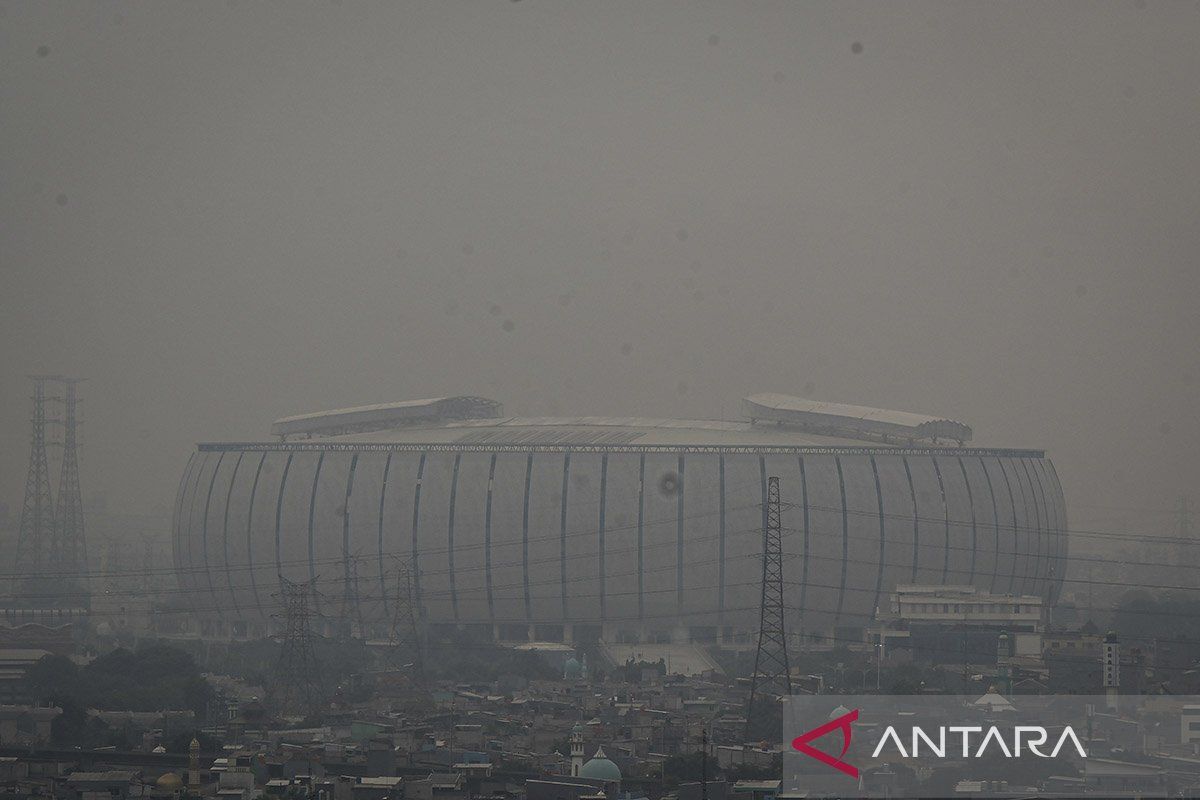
(856, 422)
(386, 415)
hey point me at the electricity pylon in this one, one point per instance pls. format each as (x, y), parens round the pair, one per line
(68, 548)
(404, 638)
(36, 533)
(771, 678)
(297, 689)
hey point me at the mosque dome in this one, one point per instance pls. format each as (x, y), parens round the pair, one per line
(601, 769)
(169, 781)
(572, 669)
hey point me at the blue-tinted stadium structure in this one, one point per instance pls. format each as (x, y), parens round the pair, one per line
(637, 529)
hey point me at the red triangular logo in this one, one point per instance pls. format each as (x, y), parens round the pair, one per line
(801, 743)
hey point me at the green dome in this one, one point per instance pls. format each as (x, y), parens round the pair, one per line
(572, 669)
(601, 769)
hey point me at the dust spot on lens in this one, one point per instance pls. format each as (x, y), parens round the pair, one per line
(856, 48)
(61, 199)
(494, 309)
(668, 484)
(43, 51)
(626, 349)
(508, 325)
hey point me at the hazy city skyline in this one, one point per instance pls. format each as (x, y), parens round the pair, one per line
(222, 214)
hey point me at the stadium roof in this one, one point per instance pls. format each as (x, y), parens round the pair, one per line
(772, 420)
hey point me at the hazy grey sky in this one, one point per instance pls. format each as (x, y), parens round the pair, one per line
(224, 212)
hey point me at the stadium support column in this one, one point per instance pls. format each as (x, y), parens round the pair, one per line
(1187, 557)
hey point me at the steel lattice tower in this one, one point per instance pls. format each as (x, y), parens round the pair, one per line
(771, 677)
(68, 549)
(404, 638)
(37, 513)
(297, 689)
(350, 622)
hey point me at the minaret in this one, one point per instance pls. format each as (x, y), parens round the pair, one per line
(1111, 654)
(576, 749)
(1003, 667)
(194, 765)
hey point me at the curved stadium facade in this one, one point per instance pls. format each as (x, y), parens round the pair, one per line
(635, 528)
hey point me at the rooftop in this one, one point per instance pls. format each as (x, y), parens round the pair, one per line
(771, 421)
